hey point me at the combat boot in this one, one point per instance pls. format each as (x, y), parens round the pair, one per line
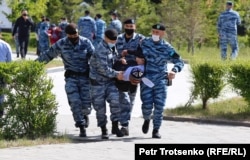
(104, 132)
(116, 130)
(145, 126)
(86, 118)
(156, 134)
(125, 131)
(82, 131)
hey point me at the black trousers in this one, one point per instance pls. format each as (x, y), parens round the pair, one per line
(23, 42)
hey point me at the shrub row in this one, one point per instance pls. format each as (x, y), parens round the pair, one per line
(209, 78)
(7, 36)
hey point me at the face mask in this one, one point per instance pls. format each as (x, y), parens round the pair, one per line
(111, 45)
(129, 31)
(73, 40)
(155, 38)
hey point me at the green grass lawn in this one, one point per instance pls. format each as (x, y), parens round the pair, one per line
(28, 142)
(231, 109)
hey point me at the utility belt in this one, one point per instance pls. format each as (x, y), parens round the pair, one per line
(94, 82)
(69, 73)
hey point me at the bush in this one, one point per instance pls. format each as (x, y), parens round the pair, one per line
(7, 36)
(239, 78)
(207, 80)
(30, 107)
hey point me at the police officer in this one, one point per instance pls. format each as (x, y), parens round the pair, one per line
(37, 30)
(130, 40)
(103, 87)
(75, 52)
(157, 53)
(62, 25)
(115, 23)
(5, 56)
(44, 43)
(87, 26)
(100, 29)
(227, 30)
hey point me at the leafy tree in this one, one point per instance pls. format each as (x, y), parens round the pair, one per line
(30, 5)
(193, 22)
(54, 11)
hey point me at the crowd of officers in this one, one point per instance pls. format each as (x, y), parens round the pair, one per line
(95, 58)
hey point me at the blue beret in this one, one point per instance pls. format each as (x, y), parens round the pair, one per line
(159, 26)
(129, 21)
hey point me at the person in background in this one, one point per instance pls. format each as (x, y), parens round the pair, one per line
(23, 25)
(55, 33)
(157, 53)
(44, 35)
(100, 29)
(87, 26)
(37, 34)
(115, 23)
(102, 80)
(62, 25)
(129, 40)
(75, 52)
(5, 56)
(227, 29)
(17, 44)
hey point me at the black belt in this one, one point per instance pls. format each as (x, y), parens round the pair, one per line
(69, 73)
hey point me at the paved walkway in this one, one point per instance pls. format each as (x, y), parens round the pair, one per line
(115, 148)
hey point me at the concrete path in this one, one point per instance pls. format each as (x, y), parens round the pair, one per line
(115, 148)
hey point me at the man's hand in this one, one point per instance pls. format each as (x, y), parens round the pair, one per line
(124, 53)
(171, 75)
(123, 60)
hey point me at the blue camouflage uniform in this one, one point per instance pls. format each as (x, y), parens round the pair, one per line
(5, 56)
(62, 26)
(227, 29)
(75, 59)
(127, 98)
(44, 37)
(116, 24)
(87, 27)
(157, 54)
(100, 29)
(103, 83)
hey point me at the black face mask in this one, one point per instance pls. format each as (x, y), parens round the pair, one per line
(73, 40)
(129, 31)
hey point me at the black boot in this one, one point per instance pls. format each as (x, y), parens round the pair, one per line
(104, 132)
(145, 126)
(86, 118)
(125, 129)
(82, 131)
(156, 134)
(116, 130)
(1, 113)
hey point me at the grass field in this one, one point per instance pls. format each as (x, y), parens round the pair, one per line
(231, 109)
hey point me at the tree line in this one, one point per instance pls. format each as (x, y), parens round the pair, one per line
(189, 23)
